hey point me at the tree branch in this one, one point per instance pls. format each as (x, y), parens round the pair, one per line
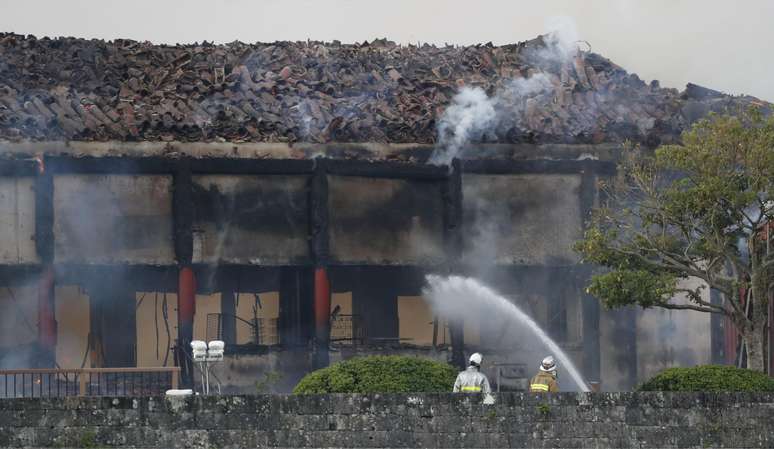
(691, 307)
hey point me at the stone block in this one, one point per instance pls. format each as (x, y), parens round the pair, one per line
(425, 439)
(521, 439)
(496, 439)
(655, 436)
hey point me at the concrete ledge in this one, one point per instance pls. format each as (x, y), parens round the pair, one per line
(407, 152)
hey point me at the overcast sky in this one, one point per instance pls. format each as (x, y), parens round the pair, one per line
(724, 44)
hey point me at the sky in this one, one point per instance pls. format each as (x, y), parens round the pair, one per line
(723, 44)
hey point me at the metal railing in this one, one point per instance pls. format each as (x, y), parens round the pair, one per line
(348, 329)
(262, 331)
(29, 383)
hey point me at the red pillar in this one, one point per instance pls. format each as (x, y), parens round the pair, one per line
(186, 297)
(186, 309)
(771, 336)
(46, 318)
(322, 311)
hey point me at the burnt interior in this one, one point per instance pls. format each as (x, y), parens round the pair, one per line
(259, 201)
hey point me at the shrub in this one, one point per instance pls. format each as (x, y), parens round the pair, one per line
(709, 378)
(380, 374)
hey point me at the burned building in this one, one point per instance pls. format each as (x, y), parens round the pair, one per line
(280, 197)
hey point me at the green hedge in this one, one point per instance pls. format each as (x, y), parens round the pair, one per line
(709, 378)
(380, 374)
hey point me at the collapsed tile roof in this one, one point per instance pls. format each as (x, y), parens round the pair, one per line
(92, 90)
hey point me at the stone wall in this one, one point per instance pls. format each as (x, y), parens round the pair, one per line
(697, 420)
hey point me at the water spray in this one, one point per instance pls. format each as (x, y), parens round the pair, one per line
(455, 296)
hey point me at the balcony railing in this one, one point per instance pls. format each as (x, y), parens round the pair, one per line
(28, 383)
(259, 331)
(348, 329)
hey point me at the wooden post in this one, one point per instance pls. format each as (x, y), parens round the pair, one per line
(319, 242)
(590, 309)
(228, 316)
(183, 239)
(453, 244)
(44, 247)
(186, 309)
(82, 382)
(47, 326)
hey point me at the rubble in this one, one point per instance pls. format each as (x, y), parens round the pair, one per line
(92, 90)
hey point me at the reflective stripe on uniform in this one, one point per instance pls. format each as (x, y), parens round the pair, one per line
(472, 389)
(538, 387)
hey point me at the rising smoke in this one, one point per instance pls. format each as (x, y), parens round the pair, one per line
(473, 115)
(477, 116)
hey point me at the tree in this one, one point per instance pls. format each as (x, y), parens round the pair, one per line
(702, 209)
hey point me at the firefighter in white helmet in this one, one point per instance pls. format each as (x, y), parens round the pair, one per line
(545, 380)
(472, 380)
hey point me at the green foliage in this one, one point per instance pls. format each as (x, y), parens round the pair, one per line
(380, 374)
(709, 378)
(680, 212)
(269, 378)
(544, 410)
(88, 439)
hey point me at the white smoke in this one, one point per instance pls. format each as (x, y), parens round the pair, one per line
(473, 114)
(561, 39)
(457, 298)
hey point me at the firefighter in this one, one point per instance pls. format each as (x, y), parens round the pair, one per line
(545, 380)
(472, 380)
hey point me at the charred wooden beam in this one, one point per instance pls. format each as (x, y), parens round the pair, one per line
(406, 280)
(228, 317)
(320, 252)
(453, 244)
(18, 167)
(44, 216)
(318, 214)
(234, 166)
(451, 193)
(110, 165)
(142, 277)
(385, 169)
(238, 278)
(17, 275)
(539, 166)
(183, 213)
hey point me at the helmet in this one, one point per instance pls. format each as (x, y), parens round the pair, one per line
(476, 359)
(548, 365)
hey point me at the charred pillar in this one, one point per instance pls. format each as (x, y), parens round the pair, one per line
(452, 201)
(375, 301)
(186, 292)
(319, 242)
(186, 309)
(228, 317)
(589, 330)
(113, 326)
(296, 309)
(47, 326)
(557, 289)
(717, 353)
(590, 310)
(44, 246)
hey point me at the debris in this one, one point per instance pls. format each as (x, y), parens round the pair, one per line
(77, 89)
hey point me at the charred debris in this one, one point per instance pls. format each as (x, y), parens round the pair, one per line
(78, 89)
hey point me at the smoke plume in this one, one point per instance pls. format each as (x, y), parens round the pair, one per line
(473, 115)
